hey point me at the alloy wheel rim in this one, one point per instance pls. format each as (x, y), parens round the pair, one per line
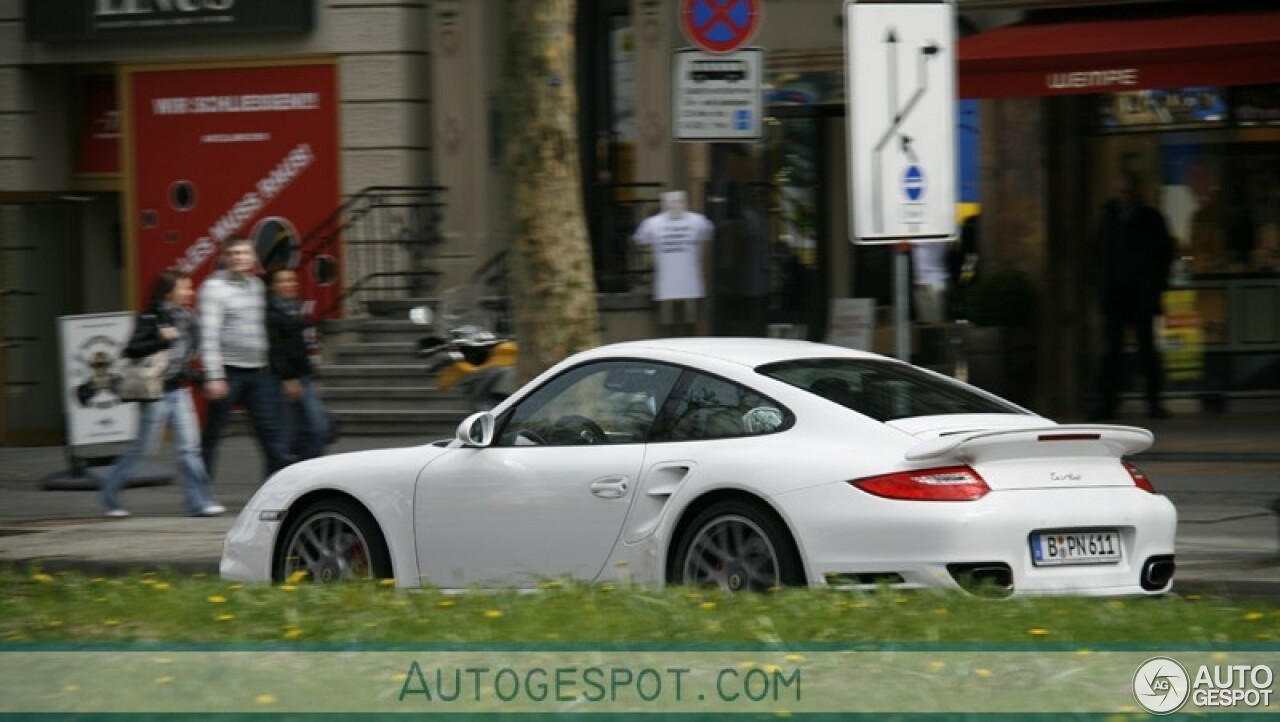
(733, 553)
(328, 547)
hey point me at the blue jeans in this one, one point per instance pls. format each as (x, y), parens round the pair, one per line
(259, 391)
(306, 425)
(176, 409)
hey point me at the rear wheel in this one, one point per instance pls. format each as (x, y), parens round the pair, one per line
(332, 540)
(736, 546)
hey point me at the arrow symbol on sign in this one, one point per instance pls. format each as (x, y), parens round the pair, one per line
(898, 115)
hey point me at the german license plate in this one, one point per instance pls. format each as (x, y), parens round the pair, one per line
(1097, 546)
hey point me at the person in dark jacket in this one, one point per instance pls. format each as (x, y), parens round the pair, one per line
(1135, 252)
(167, 323)
(305, 420)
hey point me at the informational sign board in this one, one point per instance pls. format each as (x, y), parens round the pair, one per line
(853, 323)
(717, 97)
(719, 26)
(900, 69)
(215, 152)
(90, 348)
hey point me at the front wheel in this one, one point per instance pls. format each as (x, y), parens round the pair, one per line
(332, 540)
(736, 546)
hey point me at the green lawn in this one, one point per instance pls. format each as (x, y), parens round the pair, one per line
(40, 607)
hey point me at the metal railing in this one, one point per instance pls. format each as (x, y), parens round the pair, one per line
(386, 233)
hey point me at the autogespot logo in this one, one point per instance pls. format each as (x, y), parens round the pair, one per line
(1161, 685)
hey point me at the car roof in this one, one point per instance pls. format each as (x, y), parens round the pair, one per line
(749, 352)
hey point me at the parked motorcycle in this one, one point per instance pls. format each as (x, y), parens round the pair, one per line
(466, 356)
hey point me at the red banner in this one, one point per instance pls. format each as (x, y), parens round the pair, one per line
(99, 129)
(250, 151)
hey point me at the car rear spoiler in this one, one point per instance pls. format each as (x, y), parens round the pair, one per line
(1042, 441)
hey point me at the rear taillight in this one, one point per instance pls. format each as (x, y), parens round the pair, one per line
(1139, 479)
(951, 483)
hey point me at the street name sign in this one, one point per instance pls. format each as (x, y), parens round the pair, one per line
(717, 98)
(900, 71)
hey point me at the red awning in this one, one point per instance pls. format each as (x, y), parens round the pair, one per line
(1039, 58)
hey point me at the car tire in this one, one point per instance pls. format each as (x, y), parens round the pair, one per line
(759, 553)
(331, 539)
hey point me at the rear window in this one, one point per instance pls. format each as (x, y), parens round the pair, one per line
(883, 390)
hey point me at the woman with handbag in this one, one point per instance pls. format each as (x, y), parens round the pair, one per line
(167, 327)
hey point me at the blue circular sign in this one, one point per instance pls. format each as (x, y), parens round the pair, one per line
(913, 183)
(720, 26)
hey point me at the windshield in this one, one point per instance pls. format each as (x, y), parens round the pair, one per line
(884, 390)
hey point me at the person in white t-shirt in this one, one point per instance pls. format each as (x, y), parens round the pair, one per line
(676, 238)
(929, 282)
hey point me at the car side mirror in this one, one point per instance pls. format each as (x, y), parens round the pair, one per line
(476, 431)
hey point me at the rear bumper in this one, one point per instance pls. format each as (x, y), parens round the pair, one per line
(848, 533)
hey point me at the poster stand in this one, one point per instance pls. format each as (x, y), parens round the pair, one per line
(99, 424)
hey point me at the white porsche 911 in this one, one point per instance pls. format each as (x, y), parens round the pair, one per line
(741, 463)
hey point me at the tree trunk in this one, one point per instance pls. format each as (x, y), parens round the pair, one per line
(551, 273)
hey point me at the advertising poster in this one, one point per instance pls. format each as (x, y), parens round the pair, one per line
(90, 350)
(1182, 336)
(242, 149)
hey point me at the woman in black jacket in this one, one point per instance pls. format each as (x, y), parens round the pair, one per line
(167, 324)
(306, 422)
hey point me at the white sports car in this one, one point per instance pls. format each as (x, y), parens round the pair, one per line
(742, 463)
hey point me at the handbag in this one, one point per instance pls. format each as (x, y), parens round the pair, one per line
(142, 379)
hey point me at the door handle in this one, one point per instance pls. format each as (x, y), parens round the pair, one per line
(611, 487)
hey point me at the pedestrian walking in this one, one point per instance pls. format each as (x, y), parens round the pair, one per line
(167, 323)
(306, 423)
(1135, 253)
(235, 351)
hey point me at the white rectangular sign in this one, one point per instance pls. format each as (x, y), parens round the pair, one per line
(900, 69)
(853, 322)
(91, 348)
(717, 97)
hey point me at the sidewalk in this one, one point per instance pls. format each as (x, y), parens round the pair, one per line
(1222, 472)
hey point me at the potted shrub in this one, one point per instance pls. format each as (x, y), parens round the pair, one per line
(999, 341)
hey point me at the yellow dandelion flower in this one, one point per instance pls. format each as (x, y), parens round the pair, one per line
(265, 699)
(445, 603)
(225, 617)
(297, 576)
(1218, 656)
(217, 599)
(164, 680)
(794, 657)
(400, 677)
(1253, 616)
(1084, 652)
(772, 668)
(1037, 631)
(388, 582)
(147, 581)
(292, 633)
(493, 613)
(982, 672)
(111, 623)
(162, 586)
(287, 587)
(707, 605)
(42, 577)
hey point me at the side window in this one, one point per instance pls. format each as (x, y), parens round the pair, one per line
(705, 407)
(608, 402)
